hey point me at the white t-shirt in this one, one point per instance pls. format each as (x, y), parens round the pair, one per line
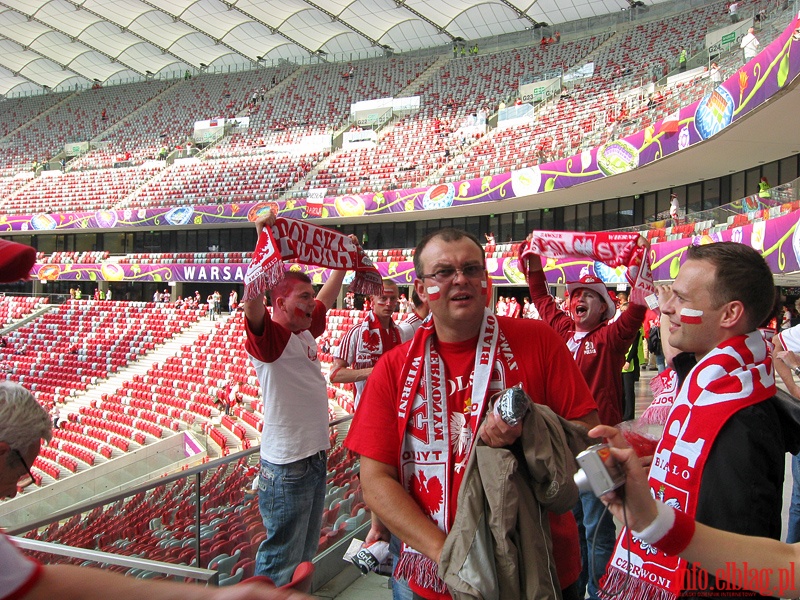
(294, 390)
(17, 572)
(790, 338)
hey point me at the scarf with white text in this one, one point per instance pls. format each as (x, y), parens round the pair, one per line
(734, 375)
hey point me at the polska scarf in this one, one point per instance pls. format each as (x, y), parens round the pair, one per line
(613, 249)
(733, 376)
(435, 444)
(664, 387)
(289, 239)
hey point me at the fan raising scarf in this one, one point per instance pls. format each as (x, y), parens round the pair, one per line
(436, 445)
(734, 375)
(309, 244)
(613, 249)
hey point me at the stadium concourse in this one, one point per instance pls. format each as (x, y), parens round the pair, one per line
(157, 404)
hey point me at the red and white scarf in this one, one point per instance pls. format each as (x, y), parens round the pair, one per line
(438, 444)
(613, 249)
(665, 388)
(733, 376)
(289, 239)
(369, 347)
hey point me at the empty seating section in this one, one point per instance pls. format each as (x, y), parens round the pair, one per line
(82, 341)
(169, 119)
(77, 118)
(13, 308)
(182, 258)
(160, 524)
(225, 180)
(77, 191)
(80, 258)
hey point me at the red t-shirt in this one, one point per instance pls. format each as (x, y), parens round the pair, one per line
(548, 374)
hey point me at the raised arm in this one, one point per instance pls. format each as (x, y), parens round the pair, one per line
(254, 310)
(784, 362)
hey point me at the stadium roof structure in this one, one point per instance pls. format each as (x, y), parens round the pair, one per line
(58, 44)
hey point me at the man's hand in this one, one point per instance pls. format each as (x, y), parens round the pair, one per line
(377, 532)
(638, 502)
(790, 358)
(496, 433)
(664, 293)
(531, 263)
(267, 220)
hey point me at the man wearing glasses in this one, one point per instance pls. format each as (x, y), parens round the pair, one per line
(426, 404)
(362, 346)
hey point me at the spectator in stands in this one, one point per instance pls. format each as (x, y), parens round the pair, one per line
(233, 301)
(491, 243)
(513, 309)
(455, 50)
(764, 189)
(78, 293)
(187, 75)
(63, 163)
(714, 73)
(108, 294)
(410, 476)
(749, 45)
(362, 346)
(283, 350)
(518, 101)
(598, 348)
(212, 307)
(733, 11)
(673, 208)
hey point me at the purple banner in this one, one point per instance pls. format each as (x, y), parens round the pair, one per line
(767, 74)
(777, 239)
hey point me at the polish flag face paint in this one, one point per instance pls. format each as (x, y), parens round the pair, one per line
(691, 316)
(433, 292)
(484, 287)
(298, 312)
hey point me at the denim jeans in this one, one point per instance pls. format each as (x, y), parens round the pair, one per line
(291, 499)
(793, 534)
(400, 589)
(587, 513)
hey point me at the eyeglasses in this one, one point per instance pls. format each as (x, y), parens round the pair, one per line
(24, 464)
(448, 274)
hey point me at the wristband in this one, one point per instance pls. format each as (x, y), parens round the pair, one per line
(671, 530)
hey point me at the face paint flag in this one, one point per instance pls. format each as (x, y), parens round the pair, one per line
(433, 292)
(691, 316)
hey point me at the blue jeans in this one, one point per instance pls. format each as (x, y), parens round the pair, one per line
(661, 363)
(291, 498)
(587, 513)
(793, 534)
(400, 589)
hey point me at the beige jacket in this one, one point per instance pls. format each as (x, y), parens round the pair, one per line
(499, 546)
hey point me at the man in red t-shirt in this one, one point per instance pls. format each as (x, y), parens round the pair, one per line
(425, 404)
(599, 349)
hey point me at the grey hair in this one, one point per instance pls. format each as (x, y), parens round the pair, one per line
(23, 421)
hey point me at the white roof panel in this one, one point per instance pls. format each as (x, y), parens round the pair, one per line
(116, 40)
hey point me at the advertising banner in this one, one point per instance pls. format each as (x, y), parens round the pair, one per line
(76, 148)
(540, 90)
